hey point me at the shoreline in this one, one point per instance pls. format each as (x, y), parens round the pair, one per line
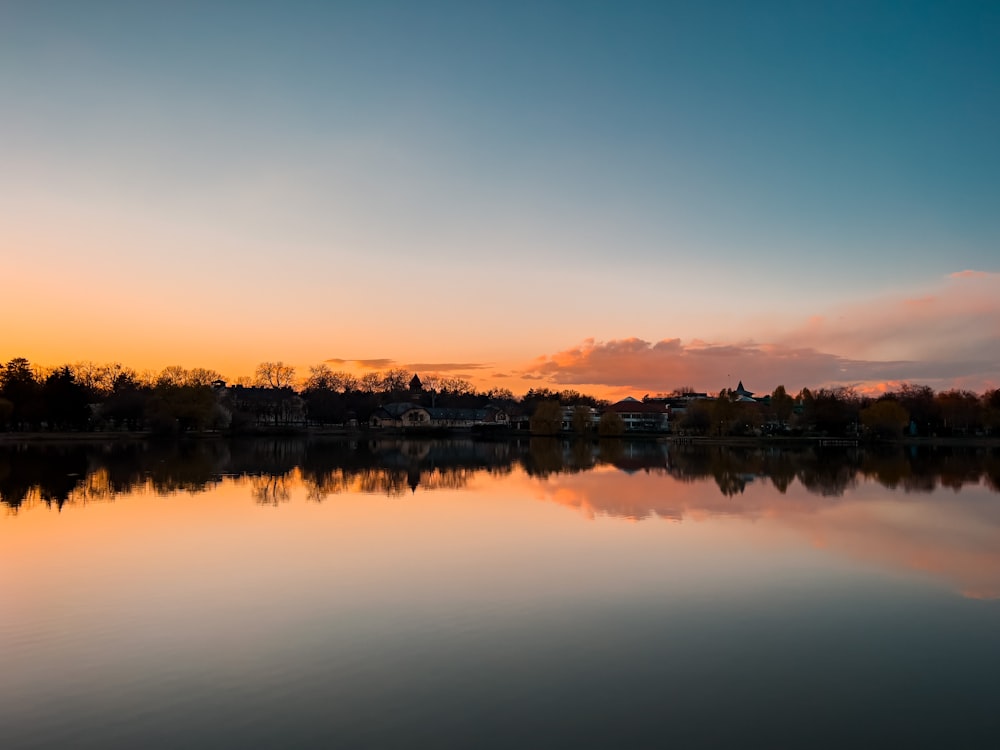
(341, 433)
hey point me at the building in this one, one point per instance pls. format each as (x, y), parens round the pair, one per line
(569, 412)
(642, 416)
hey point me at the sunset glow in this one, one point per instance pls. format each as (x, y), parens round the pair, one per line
(615, 201)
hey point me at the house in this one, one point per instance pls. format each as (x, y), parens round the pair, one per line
(400, 415)
(677, 403)
(569, 412)
(642, 416)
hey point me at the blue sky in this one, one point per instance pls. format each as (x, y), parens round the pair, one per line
(702, 169)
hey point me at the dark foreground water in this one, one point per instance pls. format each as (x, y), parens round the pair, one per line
(460, 594)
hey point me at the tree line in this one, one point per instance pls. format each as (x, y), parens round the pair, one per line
(89, 396)
(914, 410)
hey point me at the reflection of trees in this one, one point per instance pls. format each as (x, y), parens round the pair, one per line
(544, 457)
(271, 489)
(611, 450)
(582, 454)
(57, 474)
(961, 468)
(830, 472)
(394, 467)
(824, 472)
(50, 477)
(730, 483)
(890, 471)
(992, 470)
(389, 482)
(781, 470)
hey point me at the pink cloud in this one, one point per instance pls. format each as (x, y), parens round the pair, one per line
(946, 337)
(957, 320)
(669, 364)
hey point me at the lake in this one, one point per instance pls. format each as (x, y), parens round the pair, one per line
(533, 594)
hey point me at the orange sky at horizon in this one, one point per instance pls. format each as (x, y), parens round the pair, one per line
(943, 334)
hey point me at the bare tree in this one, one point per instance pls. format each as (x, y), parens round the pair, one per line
(176, 375)
(396, 380)
(371, 382)
(275, 375)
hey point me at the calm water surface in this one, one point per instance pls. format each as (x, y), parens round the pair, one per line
(463, 594)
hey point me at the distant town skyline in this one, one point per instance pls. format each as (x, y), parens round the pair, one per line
(616, 199)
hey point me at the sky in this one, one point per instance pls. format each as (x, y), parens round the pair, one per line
(619, 198)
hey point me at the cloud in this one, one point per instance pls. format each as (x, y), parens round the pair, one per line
(447, 366)
(370, 364)
(669, 364)
(945, 337)
(957, 319)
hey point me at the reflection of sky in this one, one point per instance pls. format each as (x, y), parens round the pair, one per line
(483, 615)
(953, 536)
(950, 535)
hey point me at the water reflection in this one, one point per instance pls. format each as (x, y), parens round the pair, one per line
(54, 475)
(807, 596)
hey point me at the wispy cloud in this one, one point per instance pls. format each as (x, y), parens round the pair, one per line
(380, 363)
(447, 366)
(969, 274)
(956, 319)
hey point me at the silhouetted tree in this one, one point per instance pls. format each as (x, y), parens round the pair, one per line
(885, 418)
(65, 401)
(918, 400)
(20, 387)
(547, 418)
(782, 405)
(396, 382)
(961, 411)
(697, 418)
(126, 405)
(321, 377)
(832, 411)
(582, 423)
(611, 425)
(991, 409)
(274, 375)
(181, 408)
(176, 375)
